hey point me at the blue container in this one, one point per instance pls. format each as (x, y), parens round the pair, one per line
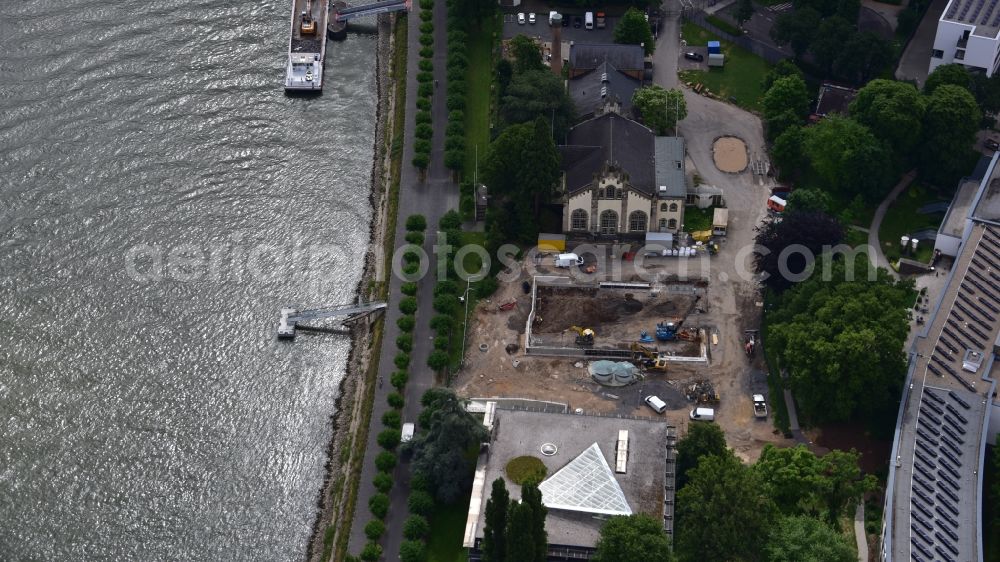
(714, 48)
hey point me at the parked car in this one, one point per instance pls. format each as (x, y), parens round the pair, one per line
(702, 414)
(531, 18)
(991, 144)
(577, 22)
(520, 18)
(690, 55)
(656, 404)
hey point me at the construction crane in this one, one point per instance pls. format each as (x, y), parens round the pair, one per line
(291, 317)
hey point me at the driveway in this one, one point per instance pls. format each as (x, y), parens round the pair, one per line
(916, 59)
(431, 198)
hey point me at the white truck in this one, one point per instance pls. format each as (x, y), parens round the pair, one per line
(568, 260)
(759, 406)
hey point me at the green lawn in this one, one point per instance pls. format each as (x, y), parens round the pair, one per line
(479, 79)
(696, 219)
(447, 529)
(903, 218)
(472, 262)
(740, 78)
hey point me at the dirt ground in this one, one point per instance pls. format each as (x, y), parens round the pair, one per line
(730, 154)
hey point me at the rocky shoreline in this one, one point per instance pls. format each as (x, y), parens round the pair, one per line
(346, 420)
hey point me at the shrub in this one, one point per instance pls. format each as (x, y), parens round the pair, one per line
(416, 223)
(455, 143)
(374, 529)
(425, 90)
(421, 146)
(426, 39)
(406, 323)
(408, 289)
(425, 77)
(383, 482)
(408, 305)
(426, 15)
(437, 360)
(426, 4)
(411, 268)
(457, 57)
(421, 160)
(395, 400)
(372, 552)
(423, 104)
(424, 117)
(455, 102)
(455, 128)
(444, 304)
(455, 75)
(442, 342)
(385, 461)
(457, 36)
(446, 287)
(457, 116)
(486, 287)
(416, 238)
(402, 360)
(416, 527)
(457, 87)
(454, 159)
(525, 470)
(388, 439)
(426, 27)
(411, 256)
(378, 504)
(399, 379)
(424, 131)
(404, 342)
(420, 502)
(441, 323)
(412, 551)
(392, 418)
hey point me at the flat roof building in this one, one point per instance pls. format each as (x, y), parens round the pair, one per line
(968, 33)
(597, 466)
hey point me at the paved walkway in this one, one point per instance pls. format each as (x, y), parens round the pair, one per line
(877, 257)
(916, 59)
(431, 198)
(859, 532)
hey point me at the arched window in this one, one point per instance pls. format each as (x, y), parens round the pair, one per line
(663, 207)
(673, 207)
(637, 221)
(578, 220)
(609, 222)
(663, 224)
(672, 224)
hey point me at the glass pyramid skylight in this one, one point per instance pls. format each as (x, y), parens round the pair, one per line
(585, 484)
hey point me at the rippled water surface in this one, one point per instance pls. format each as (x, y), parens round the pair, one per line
(160, 199)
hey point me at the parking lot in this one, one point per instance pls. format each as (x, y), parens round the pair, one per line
(542, 30)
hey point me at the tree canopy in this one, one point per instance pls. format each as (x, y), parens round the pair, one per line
(723, 512)
(955, 74)
(807, 200)
(840, 337)
(494, 532)
(802, 539)
(785, 104)
(744, 11)
(440, 453)
(537, 93)
(701, 439)
(660, 108)
(633, 29)
(527, 54)
(846, 158)
(950, 124)
(525, 534)
(893, 111)
(784, 244)
(636, 538)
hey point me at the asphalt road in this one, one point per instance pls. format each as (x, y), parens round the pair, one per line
(916, 59)
(431, 198)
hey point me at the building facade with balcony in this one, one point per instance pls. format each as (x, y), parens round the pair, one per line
(968, 33)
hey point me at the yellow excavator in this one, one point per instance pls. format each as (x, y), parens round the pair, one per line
(307, 26)
(585, 336)
(649, 359)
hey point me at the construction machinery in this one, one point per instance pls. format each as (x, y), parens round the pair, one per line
(759, 406)
(649, 359)
(307, 25)
(584, 337)
(291, 317)
(666, 331)
(750, 342)
(702, 392)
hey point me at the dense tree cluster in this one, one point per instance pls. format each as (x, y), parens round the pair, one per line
(785, 507)
(840, 337)
(440, 449)
(633, 29)
(660, 108)
(636, 538)
(515, 531)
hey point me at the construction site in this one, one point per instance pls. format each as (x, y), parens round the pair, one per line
(603, 346)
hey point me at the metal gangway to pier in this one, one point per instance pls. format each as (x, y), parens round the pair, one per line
(291, 317)
(342, 13)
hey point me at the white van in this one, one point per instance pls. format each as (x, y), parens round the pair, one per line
(656, 404)
(702, 414)
(588, 20)
(406, 435)
(568, 260)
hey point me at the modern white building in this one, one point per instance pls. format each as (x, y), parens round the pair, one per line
(968, 33)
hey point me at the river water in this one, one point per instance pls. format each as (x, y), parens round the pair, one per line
(160, 200)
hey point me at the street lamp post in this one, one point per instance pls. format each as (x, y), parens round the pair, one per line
(465, 322)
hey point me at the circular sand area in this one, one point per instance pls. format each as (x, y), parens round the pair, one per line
(730, 154)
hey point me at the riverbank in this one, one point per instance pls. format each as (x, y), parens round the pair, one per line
(335, 505)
